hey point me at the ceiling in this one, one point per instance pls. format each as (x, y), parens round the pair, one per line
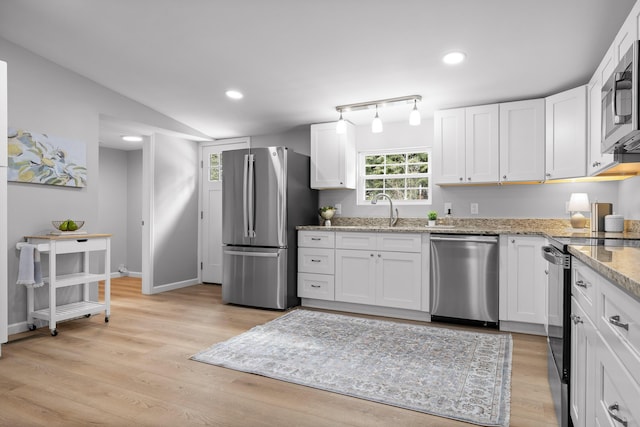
(296, 60)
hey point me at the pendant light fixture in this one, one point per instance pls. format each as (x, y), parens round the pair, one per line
(341, 126)
(414, 117)
(376, 124)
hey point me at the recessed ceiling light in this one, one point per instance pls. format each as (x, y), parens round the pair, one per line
(234, 94)
(453, 58)
(132, 138)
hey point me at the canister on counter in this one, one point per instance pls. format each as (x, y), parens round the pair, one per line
(614, 223)
(598, 212)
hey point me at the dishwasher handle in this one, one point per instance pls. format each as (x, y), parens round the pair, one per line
(476, 239)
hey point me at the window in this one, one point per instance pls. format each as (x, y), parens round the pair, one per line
(404, 176)
(214, 167)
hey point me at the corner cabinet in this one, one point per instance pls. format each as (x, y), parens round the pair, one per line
(54, 245)
(333, 157)
(566, 134)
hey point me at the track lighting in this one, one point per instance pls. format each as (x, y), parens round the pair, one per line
(376, 125)
(414, 117)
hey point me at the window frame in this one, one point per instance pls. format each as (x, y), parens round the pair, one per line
(360, 187)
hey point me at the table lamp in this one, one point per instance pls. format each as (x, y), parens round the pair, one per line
(579, 202)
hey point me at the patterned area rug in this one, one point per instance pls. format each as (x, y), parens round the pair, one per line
(450, 373)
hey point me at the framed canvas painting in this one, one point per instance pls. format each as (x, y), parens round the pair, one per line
(42, 159)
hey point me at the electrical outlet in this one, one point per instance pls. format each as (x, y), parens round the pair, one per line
(447, 207)
(338, 207)
(474, 209)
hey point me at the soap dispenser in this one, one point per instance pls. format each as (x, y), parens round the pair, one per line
(448, 219)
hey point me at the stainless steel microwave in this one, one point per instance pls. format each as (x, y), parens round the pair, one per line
(620, 113)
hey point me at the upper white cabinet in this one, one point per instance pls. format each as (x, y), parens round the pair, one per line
(466, 145)
(598, 161)
(522, 134)
(566, 134)
(333, 157)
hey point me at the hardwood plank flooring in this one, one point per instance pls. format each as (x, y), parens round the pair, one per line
(135, 370)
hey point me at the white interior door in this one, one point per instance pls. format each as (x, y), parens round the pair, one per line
(211, 207)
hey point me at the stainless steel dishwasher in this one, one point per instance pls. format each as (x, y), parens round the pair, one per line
(464, 278)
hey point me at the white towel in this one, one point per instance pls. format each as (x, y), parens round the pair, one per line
(29, 270)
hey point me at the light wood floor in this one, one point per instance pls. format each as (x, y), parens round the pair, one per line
(135, 370)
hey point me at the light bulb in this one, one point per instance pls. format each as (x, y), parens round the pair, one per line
(376, 124)
(414, 117)
(341, 126)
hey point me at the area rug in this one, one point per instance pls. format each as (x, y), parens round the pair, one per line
(451, 373)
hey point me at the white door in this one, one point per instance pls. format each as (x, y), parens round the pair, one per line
(211, 207)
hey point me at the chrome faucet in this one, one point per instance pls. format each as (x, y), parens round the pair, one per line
(392, 220)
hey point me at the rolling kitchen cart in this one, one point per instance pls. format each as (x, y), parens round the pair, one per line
(54, 245)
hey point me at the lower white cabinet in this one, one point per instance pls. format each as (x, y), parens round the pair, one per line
(391, 279)
(605, 353)
(523, 294)
(316, 257)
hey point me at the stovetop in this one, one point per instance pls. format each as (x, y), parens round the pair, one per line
(561, 243)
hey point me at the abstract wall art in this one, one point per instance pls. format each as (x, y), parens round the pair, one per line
(43, 159)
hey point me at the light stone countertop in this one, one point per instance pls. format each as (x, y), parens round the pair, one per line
(621, 265)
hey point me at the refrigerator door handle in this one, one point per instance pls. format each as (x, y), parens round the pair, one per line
(252, 197)
(254, 254)
(245, 219)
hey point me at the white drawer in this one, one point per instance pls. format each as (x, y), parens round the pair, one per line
(316, 239)
(583, 287)
(357, 241)
(79, 245)
(314, 260)
(399, 242)
(318, 286)
(616, 392)
(619, 324)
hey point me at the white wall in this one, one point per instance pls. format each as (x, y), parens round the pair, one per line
(629, 198)
(44, 97)
(112, 213)
(508, 201)
(134, 211)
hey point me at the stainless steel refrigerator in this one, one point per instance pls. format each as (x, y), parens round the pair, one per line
(265, 195)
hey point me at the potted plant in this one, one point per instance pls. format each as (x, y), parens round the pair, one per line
(432, 215)
(327, 212)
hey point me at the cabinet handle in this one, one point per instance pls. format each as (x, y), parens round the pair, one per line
(315, 260)
(315, 286)
(598, 163)
(616, 407)
(547, 175)
(82, 240)
(461, 179)
(581, 284)
(379, 256)
(546, 272)
(504, 176)
(469, 179)
(615, 321)
(371, 255)
(576, 319)
(316, 238)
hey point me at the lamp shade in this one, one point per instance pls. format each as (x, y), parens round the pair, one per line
(579, 202)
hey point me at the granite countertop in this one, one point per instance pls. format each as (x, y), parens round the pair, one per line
(621, 265)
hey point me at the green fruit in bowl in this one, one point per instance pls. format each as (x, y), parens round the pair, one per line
(71, 225)
(64, 226)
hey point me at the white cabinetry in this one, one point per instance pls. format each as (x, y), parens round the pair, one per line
(381, 269)
(69, 244)
(333, 157)
(466, 145)
(522, 297)
(597, 160)
(316, 257)
(566, 134)
(522, 135)
(605, 356)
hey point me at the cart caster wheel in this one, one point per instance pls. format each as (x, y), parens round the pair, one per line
(32, 327)
(54, 332)
(106, 320)
(87, 315)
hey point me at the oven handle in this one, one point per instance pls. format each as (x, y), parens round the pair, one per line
(556, 257)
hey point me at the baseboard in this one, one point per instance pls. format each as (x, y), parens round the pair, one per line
(373, 310)
(523, 328)
(172, 286)
(136, 274)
